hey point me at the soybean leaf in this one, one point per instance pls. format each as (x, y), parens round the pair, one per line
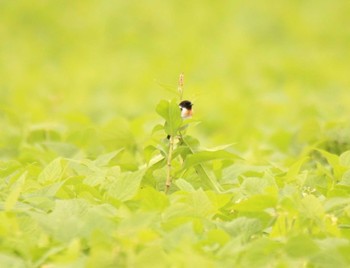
(13, 196)
(202, 172)
(344, 159)
(126, 185)
(301, 246)
(256, 203)
(334, 162)
(52, 172)
(170, 111)
(242, 227)
(204, 156)
(104, 159)
(184, 185)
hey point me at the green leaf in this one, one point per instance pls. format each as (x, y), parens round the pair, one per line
(7, 260)
(336, 204)
(216, 238)
(256, 203)
(345, 179)
(156, 163)
(311, 207)
(126, 185)
(152, 256)
(301, 246)
(262, 252)
(201, 204)
(253, 185)
(295, 169)
(344, 159)
(103, 160)
(75, 218)
(202, 172)
(152, 200)
(148, 152)
(334, 161)
(184, 185)
(170, 111)
(204, 156)
(52, 172)
(15, 192)
(242, 227)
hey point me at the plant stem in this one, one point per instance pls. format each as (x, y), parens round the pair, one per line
(170, 154)
(181, 85)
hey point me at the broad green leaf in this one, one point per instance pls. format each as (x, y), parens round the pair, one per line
(219, 200)
(15, 192)
(157, 128)
(334, 162)
(256, 203)
(62, 149)
(50, 190)
(75, 218)
(52, 172)
(219, 147)
(215, 238)
(170, 111)
(7, 260)
(103, 160)
(42, 198)
(301, 246)
(49, 253)
(95, 178)
(184, 185)
(201, 204)
(152, 256)
(151, 199)
(191, 142)
(202, 172)
(295, 169)
(345, 180)
(311, 207)
(126, 185)
(163, 108)
(282, 225)
(242, 227)
(131, 225)
(176, 214)
(156, 163)
(204, 156)
(336, 204)
(261, 252)
(253, 185)
(344, 159)
(148, 152)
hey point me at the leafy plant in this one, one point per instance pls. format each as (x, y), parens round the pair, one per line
(180, 153)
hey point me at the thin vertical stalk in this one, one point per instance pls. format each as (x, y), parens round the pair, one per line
(181, 85)
(170, 155)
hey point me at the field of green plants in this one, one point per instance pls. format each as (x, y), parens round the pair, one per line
(258, 177)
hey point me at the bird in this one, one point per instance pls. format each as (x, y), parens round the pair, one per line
(186, 109)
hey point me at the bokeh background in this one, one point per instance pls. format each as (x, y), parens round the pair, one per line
(259, 72)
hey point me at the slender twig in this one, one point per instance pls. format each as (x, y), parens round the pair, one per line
(172, 138)
(181, 85)
(170, 154)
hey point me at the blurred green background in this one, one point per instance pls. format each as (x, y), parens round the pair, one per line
(259, 72)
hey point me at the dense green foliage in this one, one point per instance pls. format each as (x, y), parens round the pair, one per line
(260, 177)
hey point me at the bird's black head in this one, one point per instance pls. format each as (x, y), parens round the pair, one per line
(186, 104)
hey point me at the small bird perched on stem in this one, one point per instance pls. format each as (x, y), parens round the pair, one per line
(186, 109)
